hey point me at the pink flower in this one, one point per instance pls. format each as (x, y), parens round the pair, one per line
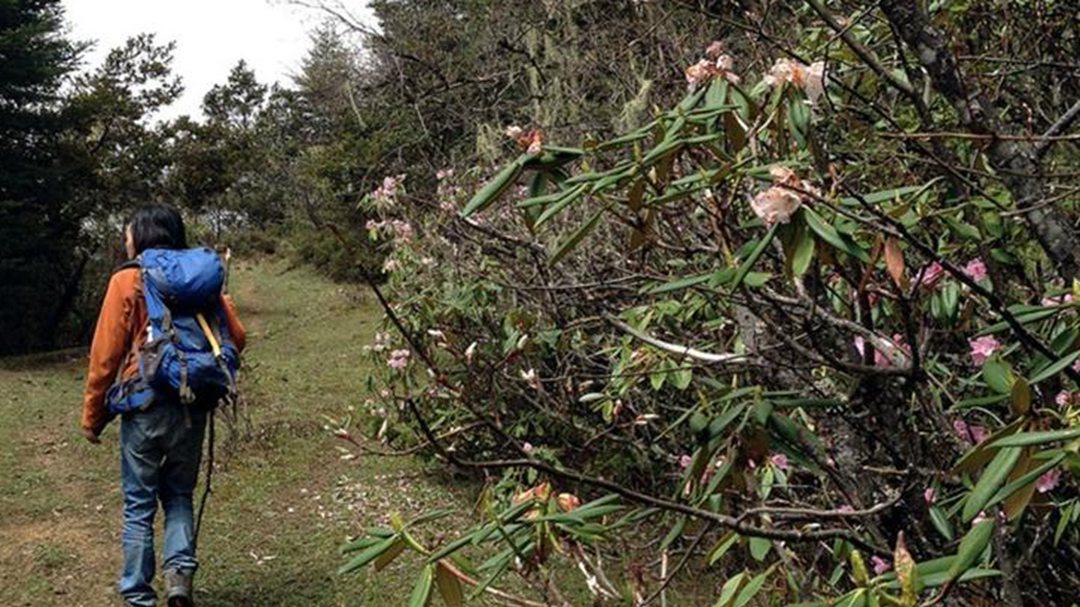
(715, 50)
(775, 205)
(444, 174)
(887, 354)
(531, 378)
(931, 275)
(930, 496)
(527, 448)
(535, 146)
(971, 433)
(387, 192)
(975, 270)
(979, 518)
(514, 131)
(1060, 300)
(391, 265)
(779, 460)
(809, 78)
(402, 230)
(685, 461)
(372, 225)
(399, 359)
(717, 65)
(846, 509)
(982, 348)
(880, 565)
(1063, 398)
(1048, 481)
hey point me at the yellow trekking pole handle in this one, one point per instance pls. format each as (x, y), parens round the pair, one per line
(209, 335)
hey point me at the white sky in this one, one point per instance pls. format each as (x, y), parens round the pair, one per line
(211, 37)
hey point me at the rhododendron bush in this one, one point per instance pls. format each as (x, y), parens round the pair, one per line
(808, 360)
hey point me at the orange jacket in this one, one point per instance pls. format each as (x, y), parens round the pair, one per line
(121, 331)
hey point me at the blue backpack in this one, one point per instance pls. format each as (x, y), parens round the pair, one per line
(188, 354)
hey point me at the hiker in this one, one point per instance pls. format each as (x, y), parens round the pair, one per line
(151, 365)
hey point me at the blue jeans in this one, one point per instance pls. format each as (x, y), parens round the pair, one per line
(160, 451)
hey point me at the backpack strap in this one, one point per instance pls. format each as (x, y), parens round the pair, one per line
(129, 264)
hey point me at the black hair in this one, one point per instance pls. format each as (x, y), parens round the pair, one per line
(157, 226)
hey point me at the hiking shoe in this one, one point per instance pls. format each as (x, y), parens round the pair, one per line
(178, 589)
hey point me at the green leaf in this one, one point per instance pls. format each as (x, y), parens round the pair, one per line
(679, 284)
(941, 523)
(998, 375)
(746, 266)
(992, 478)
(751, 589)
(971, 548)
(1055, 368)
(368, 555)
(727, 592)
(829, 234)
(421, 592)
(494, 188)
(1030, 477)
(721, 548)
(1024, 439)
(759, 548)
(571, 243)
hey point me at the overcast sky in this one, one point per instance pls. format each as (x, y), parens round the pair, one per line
(210, 35)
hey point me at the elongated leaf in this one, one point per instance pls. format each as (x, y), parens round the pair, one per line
(1057, 367)
(831, 236)
(721, 548)
(388, 557)
(368, 555)
(1024, 439)
(421, 593)
(679, 284)
(971, 548)
(727, 592)
(494, 188)
(751, 589)
(992, 478)
(980, 454)
(1021, 396)
(449, 587)
(746, 266)
(571, 243)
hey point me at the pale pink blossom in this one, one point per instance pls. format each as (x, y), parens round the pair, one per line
(391, 265)
(930, 496)
(527, 448)
(685, 461)
(399, 359)
(442, 174)
(979, 518)
(775, 205)
(387, 192)
(715, 50)
(779, 460)
(1048, 481)
(931, 275)
(535, 146)
(373, 225)
(971, 433)
(718, 66)
(983, 348)
(880, 565)
(403, 230)
(514, 131)
(976, 270)
(886, 354)
(846, 509)
(1064, 398)
(1060, 300)
(531, 378)
(809, 78)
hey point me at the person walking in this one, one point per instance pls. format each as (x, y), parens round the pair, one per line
(165, 350)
